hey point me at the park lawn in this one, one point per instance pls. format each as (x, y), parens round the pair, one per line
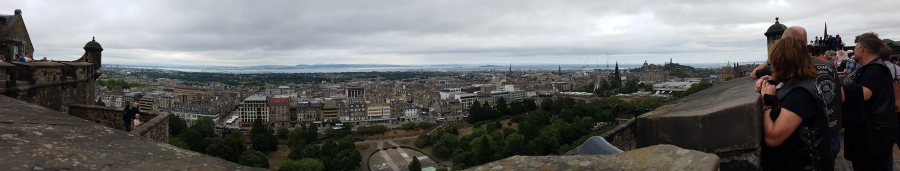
(363, 147)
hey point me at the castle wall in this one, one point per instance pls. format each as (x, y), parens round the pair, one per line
(155, 127)
(622, 136)
(54, 85)
(724, 119)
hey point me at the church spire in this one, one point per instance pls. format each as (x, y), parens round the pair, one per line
(826, 30)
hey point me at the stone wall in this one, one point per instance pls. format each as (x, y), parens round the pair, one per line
(658, 157)
(36, 138)
(155, 126)
(724, 119)
(107, 116)
(622, 136)
(54, 85)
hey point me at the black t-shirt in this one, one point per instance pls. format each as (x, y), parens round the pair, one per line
(786, 156)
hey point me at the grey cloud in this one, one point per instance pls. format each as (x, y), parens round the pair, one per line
(424, 32)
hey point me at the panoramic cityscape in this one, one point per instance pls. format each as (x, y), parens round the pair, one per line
(447, 85)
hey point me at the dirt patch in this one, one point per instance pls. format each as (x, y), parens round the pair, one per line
(277, 156)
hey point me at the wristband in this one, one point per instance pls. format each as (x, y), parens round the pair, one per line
(776, 111)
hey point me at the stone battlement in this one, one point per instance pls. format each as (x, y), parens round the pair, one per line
(658, 157)
(155, 127)
(36, 138)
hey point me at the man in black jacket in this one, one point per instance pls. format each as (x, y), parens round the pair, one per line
(870, 121)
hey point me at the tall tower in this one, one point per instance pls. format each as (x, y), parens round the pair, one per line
(825, 34)
(618, 79)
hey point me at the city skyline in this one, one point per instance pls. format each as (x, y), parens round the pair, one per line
(432, 32)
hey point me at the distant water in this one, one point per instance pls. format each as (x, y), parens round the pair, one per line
(393, 68)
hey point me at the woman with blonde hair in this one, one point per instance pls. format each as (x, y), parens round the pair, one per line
(795, 118)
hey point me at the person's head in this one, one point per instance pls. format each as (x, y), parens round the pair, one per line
(868, 45)
(134, 104)
(789, 60)
(137, 116)
(795, 32)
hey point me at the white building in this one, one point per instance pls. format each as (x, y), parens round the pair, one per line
(253, 108)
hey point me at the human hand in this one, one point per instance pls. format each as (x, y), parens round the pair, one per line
(768, 89)
(760, 83)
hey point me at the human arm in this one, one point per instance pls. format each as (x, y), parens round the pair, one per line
(776, 131)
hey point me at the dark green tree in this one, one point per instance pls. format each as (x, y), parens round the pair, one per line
(178, 143)
(475, 113)
(311, 164)
(443, 148)
(229, 147)
(282, 133)
(529, 105)
(515, 144)
(254, 158)
(290, 165)
(423, 141)
(502, 107)
(194, 140)
(547, 104)
(205, 126)
(176, 125)
(414, 165)
(484, 153)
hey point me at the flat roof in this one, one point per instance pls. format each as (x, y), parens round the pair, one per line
(256, 97)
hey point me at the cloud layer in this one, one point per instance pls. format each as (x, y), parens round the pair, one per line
(434, 32)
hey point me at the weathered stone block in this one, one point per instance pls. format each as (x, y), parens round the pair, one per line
(724, 119)
(658, 157)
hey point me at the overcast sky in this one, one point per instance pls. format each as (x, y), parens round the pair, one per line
(434, 32)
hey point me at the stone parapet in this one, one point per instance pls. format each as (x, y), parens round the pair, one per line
(724, 119)
(622, 136)
(36, 138)
(156, 128)
(54, 85)
(658, 157)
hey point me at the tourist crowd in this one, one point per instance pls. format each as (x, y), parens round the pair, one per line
(813, 92)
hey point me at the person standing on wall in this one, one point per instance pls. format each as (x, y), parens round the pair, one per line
(870, 121)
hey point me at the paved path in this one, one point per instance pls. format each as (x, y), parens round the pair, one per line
(390, 161)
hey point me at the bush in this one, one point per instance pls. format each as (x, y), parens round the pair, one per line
(425, 125)
(305, 164)
(254, 158)
(409, 126)
(282, 133)
(423, 141)
(371, 130)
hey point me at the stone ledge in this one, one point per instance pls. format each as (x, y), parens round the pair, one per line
(36, 138)
(724, 119)
(658, 157)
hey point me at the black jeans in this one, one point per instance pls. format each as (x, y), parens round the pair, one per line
(127, 125)
(879, 155)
